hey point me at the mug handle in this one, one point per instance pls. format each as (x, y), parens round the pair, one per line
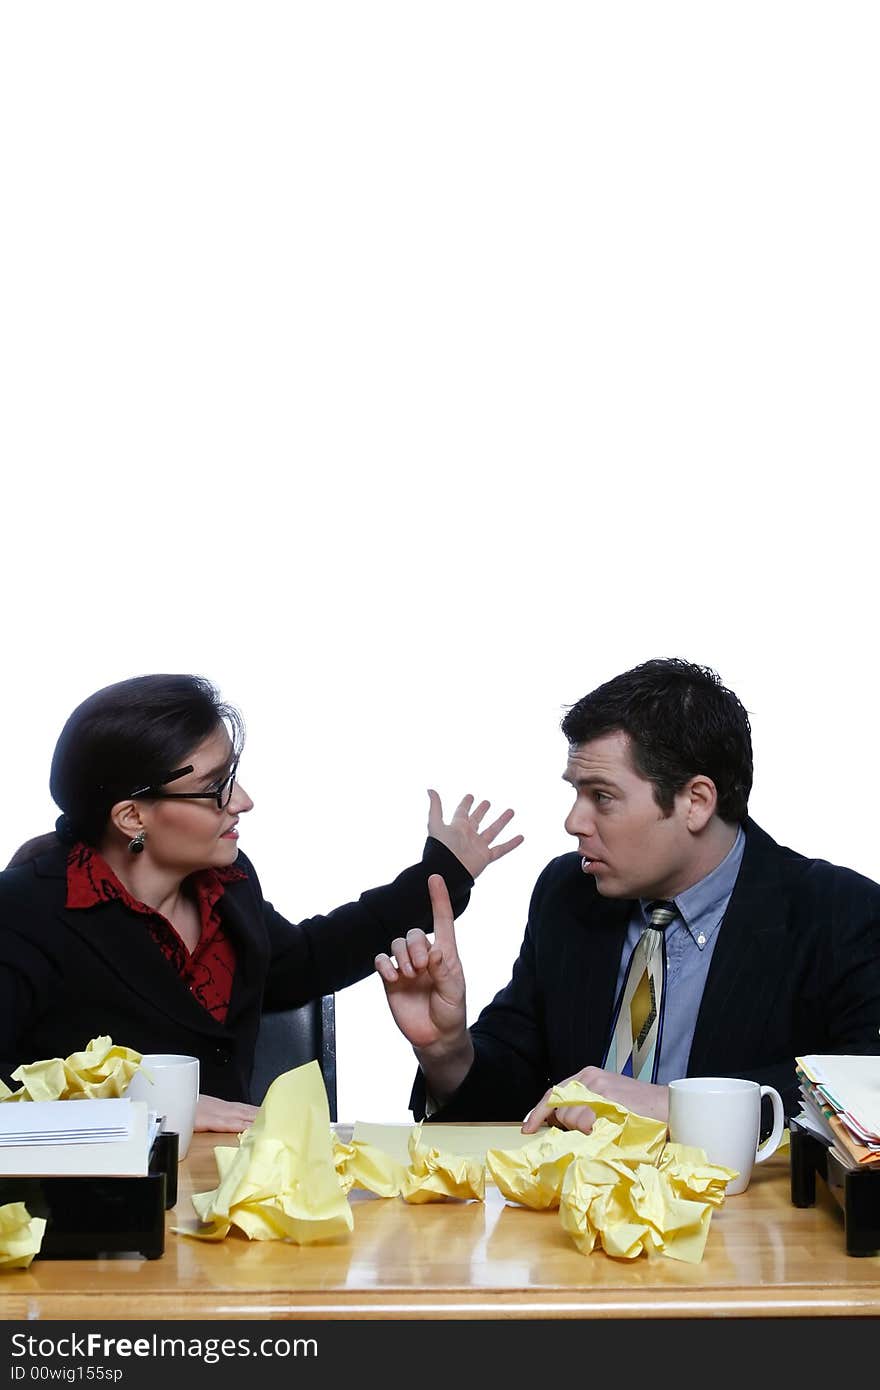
(774, 1138)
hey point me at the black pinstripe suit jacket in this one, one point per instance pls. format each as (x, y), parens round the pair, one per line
(796, 969)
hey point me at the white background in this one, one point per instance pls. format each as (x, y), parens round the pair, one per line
(411, 369)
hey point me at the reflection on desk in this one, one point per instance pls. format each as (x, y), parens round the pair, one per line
(763, 1257)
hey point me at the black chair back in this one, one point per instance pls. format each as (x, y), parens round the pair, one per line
(290, 1037)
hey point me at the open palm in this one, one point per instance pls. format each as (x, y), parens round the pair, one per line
(462, 835)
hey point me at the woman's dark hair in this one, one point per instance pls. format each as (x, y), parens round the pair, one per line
(681, 721)
(128, 735)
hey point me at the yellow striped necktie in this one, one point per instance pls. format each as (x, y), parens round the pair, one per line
(634, 1049)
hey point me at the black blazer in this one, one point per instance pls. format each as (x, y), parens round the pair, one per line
(70, 975)
(795, 969)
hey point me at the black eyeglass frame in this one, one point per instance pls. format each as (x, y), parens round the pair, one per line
(221, 797)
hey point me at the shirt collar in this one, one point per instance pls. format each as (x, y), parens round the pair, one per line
(91, 881)
(702, 906)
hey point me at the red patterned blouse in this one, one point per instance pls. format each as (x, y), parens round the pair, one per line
(210, 969)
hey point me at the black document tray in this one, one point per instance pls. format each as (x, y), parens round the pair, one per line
(856, 1190)
(90, 1216)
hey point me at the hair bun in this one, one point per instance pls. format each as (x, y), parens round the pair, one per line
(65, 831)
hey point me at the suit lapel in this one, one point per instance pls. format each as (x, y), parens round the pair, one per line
(751, 935)
(251, 959)
(603, 940)
(120, 939)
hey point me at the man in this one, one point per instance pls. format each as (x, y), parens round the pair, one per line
(679, 940)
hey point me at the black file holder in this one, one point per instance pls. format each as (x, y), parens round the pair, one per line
(97, 1215)
(856, 1190)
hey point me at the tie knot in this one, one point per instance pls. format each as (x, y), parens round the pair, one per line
(660, 914)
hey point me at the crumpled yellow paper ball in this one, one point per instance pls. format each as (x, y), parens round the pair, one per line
(595, 1201)
(640, 1139)
(363, 1165)
(342, 1156)
(621, 1187)
(678, 1226)
(434, 1175)
(628, 1209)
(281, 1182)
(21, 1235)
(101, 1072)
(690, 1174)
(533, 1175)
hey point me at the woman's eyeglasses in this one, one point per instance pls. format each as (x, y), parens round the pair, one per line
(221, 795)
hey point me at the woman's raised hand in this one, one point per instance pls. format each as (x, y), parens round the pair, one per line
(463, 836)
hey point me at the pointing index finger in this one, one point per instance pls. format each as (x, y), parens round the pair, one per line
(444, 929)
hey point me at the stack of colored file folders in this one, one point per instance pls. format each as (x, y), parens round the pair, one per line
(840, 1102)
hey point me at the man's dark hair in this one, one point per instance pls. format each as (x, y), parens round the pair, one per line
(681, 722)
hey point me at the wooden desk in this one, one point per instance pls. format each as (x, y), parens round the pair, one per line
(467, 1260)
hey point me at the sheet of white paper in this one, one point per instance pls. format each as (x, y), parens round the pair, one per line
(51, 1121)
(128, 1156)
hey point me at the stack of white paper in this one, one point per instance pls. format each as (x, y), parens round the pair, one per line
(76, 1137)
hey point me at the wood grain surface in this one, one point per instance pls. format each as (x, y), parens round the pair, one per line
(466, 1260)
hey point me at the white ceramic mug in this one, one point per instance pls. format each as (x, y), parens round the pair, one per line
(171, 1089)
(722, 1115)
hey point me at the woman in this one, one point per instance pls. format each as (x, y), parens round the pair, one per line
(140, 918)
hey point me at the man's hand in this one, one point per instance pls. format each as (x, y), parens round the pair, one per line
(424, 985)
(224, 1116)
(463, 836)
(425, 982)
(643, 1097)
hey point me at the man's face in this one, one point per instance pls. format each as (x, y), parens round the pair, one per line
(632, 849)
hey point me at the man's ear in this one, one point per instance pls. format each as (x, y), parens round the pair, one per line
(126, 817)
(702, 802)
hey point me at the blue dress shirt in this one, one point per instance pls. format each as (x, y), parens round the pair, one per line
(690, 941)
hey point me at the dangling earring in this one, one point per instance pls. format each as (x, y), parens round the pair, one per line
(136, 846)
